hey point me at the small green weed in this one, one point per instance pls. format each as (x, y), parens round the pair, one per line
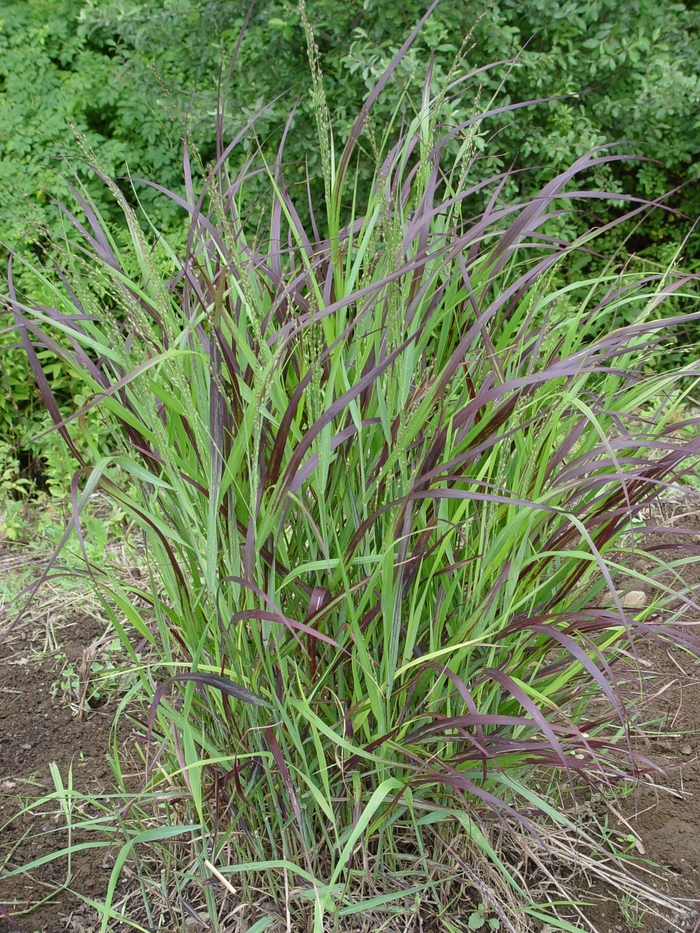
(633, 912)
(99, 675)
(12, 520)
(479, 920)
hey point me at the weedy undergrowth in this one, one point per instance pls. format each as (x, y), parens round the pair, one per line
(386, 470)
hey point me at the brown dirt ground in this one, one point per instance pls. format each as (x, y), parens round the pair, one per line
(666, 817)
(37, 727)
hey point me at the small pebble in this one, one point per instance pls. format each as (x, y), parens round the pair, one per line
(686, 750)
(696, 539)
(635, 599)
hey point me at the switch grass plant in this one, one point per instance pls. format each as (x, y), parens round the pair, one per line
(388, 472)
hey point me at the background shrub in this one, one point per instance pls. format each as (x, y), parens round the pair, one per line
(129, 77)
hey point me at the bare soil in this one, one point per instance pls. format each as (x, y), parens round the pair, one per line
(664, 810)
(38, 726)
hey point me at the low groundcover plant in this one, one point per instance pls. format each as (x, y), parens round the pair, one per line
(388, 471)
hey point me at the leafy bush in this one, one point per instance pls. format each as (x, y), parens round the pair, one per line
(628, 71)
(126, 75)
(387, 477)
(124, 81)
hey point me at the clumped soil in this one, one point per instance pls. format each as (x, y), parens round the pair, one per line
(664, 809)
(39, 725)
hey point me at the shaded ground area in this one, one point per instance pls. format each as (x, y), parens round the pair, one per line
(48, 715)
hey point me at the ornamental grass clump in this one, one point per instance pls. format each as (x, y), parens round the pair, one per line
(387, 472)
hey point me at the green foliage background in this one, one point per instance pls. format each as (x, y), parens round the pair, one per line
(122, 79)
(126, 74)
